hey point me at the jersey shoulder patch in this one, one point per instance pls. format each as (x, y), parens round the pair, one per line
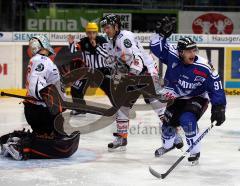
(127, 43)
(40, 67)
(203, 63)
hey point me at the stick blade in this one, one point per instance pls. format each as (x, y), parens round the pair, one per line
(155, 173)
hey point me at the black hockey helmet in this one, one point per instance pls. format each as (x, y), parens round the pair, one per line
(111, 19)
(186, 43)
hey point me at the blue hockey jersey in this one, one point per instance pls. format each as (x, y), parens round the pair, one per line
(197, 79)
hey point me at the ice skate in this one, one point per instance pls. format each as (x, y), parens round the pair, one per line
(3, 151)
(159, 152)
(12, 148)
(194, 158)
(178, 142)
(119, 144)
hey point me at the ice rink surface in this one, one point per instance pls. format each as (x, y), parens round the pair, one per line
(92, 164)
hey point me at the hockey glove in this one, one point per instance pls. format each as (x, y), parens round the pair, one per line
(52, 99)
(218, 114)
(165, 27)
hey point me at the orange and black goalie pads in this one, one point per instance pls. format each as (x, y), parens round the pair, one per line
(47, 147)
(34, 146)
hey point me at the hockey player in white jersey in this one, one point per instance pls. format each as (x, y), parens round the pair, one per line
(131, 59)
(47, 139)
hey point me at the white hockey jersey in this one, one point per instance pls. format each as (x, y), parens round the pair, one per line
(127, 49)
(41, 72)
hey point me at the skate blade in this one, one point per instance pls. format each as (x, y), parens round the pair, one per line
(119, 149)
(15, 154)
(194, 163)
(4, 152)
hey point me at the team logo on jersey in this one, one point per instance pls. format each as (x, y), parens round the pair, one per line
(127, 43)
(199, 78)
(40, 67)
(189, 85)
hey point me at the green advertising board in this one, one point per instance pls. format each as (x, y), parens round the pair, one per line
(60, 20)
(74, 20)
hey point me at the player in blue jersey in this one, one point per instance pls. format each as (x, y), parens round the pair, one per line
(193, 82)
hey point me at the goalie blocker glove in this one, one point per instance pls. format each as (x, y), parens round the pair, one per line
(218, 114)
(165, 27)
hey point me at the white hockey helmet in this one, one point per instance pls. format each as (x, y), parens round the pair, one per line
(36, 43)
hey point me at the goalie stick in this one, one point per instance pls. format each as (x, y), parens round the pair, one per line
(164, 175)
(69, 105)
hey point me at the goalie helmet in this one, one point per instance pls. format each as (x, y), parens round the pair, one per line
(186, 43)
(111, 19)
(39, 42)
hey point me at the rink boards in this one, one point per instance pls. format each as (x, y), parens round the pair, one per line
(222, 50)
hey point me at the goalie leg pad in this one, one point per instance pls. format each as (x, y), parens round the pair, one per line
(44, 148)
(32, 146)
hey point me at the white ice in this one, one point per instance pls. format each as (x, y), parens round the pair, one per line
(92, 164)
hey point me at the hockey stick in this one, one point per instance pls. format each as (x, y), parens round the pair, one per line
(72, 106)
(164, 175)
(18, 96)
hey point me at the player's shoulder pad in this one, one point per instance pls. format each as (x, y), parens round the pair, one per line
(41, 63)
(40, 58)
(127, 38)
(204, 64)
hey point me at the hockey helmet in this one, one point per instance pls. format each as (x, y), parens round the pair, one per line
(186, 43)
(111, 19)
(38, 42)
(91, 27)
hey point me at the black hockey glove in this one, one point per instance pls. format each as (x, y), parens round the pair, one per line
(165, 27)
(218, 114)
